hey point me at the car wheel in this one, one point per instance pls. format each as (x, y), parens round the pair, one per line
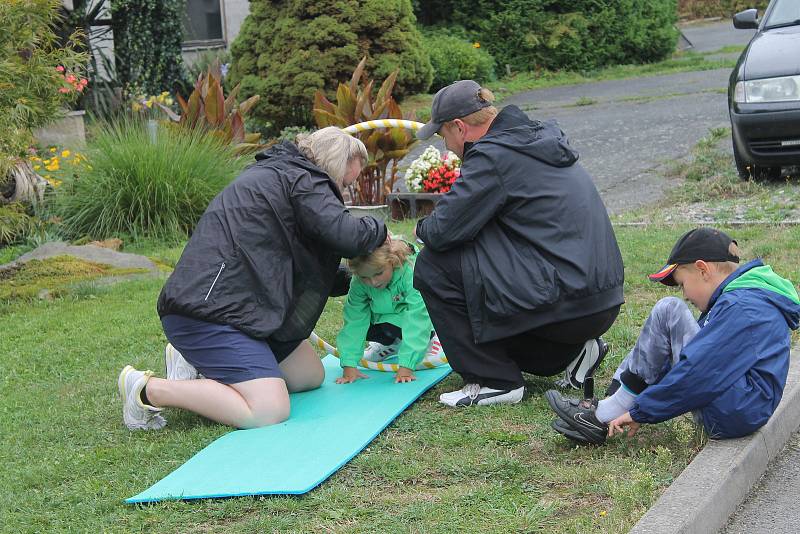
(742, 167)
(752, 171)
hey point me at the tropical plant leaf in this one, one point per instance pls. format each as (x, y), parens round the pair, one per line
(245, 107)
(356, 78)
(215, 104)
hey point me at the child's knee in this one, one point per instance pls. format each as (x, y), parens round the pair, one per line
(668, 306)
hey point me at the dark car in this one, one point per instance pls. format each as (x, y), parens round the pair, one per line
(764, 92)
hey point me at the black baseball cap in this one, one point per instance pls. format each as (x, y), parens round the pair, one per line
(707, 244)
(457, 100)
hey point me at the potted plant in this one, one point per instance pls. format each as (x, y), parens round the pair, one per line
(427, 179)
(356, 103)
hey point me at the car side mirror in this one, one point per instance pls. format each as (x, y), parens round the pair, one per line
(746, 20)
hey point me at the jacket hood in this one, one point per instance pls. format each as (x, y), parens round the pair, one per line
(286, 150)
(779, 291)
(544, 141)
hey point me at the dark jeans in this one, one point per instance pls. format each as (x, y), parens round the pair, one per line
(384, 333)
(543, 351)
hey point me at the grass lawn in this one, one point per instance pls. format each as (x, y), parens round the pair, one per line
(69, 462)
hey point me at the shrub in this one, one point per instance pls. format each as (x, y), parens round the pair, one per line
(144, 189)
(286, 50)
(33, 86)
(147, 44)
(208, 109)
(355, 103)
(455, 58)
(15, 224)
(581, 34)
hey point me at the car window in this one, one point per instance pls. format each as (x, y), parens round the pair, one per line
(784, 12)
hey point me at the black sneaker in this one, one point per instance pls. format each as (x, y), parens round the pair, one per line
(579, 415)
(565, 430)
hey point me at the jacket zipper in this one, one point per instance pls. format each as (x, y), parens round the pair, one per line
(215, 280)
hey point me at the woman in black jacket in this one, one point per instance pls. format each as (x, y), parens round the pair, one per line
(250, 286)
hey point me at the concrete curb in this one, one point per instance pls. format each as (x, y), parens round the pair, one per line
(708, 491)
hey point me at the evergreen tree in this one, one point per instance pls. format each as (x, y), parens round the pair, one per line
(287, 49)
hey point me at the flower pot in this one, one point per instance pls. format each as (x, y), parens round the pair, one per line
(380, 212)
(412, 205)
(69, 131)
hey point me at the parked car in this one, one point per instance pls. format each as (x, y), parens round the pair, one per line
(764, 92)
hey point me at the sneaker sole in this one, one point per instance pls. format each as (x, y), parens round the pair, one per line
(562, 428)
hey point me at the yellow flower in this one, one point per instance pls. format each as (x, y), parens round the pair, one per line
(52, 149)
(136, 106)
(65, 154)
(476, 44)
(603, 513)
(37, 167)
(76, 160)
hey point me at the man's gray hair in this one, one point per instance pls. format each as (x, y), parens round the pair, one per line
(331, 150)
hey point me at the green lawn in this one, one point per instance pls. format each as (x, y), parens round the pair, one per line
(69, 462)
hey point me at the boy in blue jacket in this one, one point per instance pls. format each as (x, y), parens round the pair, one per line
(729, 367)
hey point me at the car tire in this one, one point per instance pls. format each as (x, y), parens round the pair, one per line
(748, 171)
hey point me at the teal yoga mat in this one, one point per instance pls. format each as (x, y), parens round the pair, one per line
(296, 456)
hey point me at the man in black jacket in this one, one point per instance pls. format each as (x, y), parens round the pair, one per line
(521, 270)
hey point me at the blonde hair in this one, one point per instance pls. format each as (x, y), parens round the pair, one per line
(727, 267)
(394, 253)
(482, 116)
(332, 150)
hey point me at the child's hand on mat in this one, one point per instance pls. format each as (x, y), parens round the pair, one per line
(350, 374)
(624, 420)
(404, 374)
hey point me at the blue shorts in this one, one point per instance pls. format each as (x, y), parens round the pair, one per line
(223, 353)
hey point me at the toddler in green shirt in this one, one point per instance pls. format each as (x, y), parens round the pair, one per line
(384, 309)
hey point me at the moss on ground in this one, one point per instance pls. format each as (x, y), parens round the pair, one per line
(52, 277)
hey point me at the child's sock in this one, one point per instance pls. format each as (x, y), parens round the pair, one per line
(617, 404)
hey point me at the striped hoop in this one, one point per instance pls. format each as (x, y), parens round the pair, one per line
(428, 362)
(383, 123)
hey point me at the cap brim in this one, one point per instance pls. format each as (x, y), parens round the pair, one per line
(429, 130)
(665, 275)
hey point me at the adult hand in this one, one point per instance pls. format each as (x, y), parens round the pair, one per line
(618, 425)
(349, 375)
(403, 375)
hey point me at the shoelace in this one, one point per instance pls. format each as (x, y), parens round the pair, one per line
(471, 390)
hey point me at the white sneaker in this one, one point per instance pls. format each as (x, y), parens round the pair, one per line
(474, 394)
(137, 416)
(377, 352)
(177, 368)
(435, 349)
(585, 364)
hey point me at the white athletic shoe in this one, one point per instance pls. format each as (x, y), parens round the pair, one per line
(585, 364)
(376, 352)
(474, 394)
(435, 350)
(137, 415)
(177, 368)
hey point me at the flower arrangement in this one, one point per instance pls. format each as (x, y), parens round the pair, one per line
(433, 172)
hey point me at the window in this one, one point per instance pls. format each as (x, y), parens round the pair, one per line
(202, 22)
